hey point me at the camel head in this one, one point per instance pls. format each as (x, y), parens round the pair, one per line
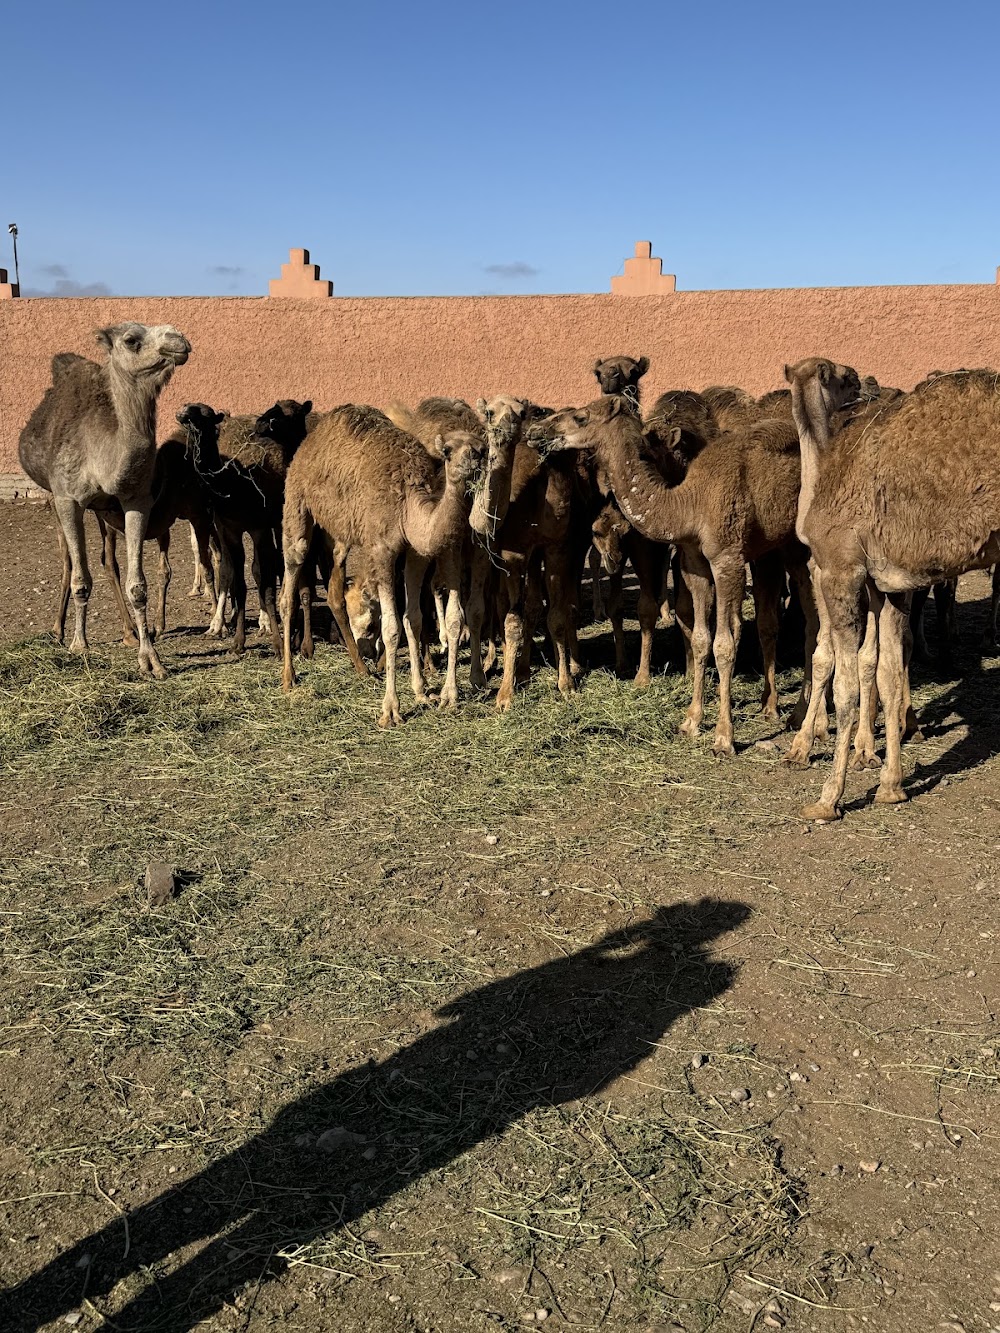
(503, 418)
(621, 375)
(610, 528)
(285, 423)
(463, 454)
(201, 427)
(578, 427)
(144, 352)
(817, 381)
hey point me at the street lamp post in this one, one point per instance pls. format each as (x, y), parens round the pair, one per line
(12, 228)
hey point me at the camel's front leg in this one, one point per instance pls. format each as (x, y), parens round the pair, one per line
(868, 657)
(560, 598)
(390, 637)
(109, 563)
(843, 597)
(512, 594)
(892, 626)
(814, 722)
(768, 585)
(451, 569)
(730, 585)
(697, 576)
(135, 534)
(476, 614)
(165, 575)
(70, 516)
(414, 572)
(59, 626)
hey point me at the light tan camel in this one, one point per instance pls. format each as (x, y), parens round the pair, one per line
(92, 443)
(902, 501)
(736, 504)
(370, 486)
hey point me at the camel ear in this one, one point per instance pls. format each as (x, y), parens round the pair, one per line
(220, 417)
(616, 405)
(823, 371)
(306, 408)
(674, 438)
(597, 366)
(481, 406)
(643, 364)
(105, 339)
(441, 447)
(789, 376)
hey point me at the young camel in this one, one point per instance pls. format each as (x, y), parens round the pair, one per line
(907, 500)
(244, 467)
(736, 504)
(366, 484)
(92, 443)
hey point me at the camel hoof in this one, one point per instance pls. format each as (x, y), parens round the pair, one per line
(770, 712)
(642, 681)
(915, 737)
(78, 646)
(723, 749)
(289, 681)
(690, 729)
(130, 641)
(307, 650)
(796, 757)
(890, 796)
(864, 759)
(448, 703)
(390, 719)
(820, 813)
(504, 705)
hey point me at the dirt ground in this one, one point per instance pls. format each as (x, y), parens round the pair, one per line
(483, 1023)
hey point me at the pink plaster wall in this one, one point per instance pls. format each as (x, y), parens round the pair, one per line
(249, 351)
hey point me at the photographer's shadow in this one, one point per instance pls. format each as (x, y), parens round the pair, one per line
(545, 1036)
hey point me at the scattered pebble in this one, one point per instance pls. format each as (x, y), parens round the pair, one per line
(332, 1140)
(856, 1052)
(161, 883)
(73, 1318)
(504, 1276)
(869, 1167)
(698, 1061)
(815, 1068)
(796, 1077)
(84, 1261)
(740, 1095)
(503, 1048)
(472, 932)
(836, 1170)
(393, 1300)
(773, 1321)
(491, 840)
(545, 893)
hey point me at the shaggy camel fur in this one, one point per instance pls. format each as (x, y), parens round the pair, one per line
(179, 493)
(92, 443)
(245, 470)
(905, 500)
(828, 398)
(736, 504)
(368, 485)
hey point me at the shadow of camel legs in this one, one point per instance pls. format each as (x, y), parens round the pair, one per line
(564, 1031)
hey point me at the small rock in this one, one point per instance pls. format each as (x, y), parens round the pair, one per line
(503, 1277)
(815, 1068)
(740, 1095)
(393, 1300)
(472, 932)
(73, 1318)
(698, 1061)
(160, 882)
(773, 1321)
(84, 1261)
(770, 746)
(541, 1314)
(369, 1154)
(545, 893)
(869, 1167)
(332, 1140)
(856, 1052)
(798, 1078)
(502, 1048)
(491, 840)
(836, 1170)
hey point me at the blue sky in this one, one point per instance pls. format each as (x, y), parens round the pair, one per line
(452, 148)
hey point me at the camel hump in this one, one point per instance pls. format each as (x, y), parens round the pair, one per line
(65, 364)
(777, 436)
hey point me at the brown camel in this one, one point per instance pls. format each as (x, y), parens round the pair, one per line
(736, 504)
(92, 443)
(902, 501)
(244, 468)
(370, 486)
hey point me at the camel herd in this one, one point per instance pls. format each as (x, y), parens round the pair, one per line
(844, 496)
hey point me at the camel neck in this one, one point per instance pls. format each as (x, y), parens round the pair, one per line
(812, 421)
(432, 525)
(492, 499)
(656, 510)
(134, 402)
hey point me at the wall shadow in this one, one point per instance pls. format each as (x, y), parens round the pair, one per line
(545, 1036)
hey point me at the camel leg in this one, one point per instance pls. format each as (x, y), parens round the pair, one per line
(201, 538)
(768, 585)
(236, 560)
(163, 542)
(136, 521)
(814, 724)
(307, 648)
(475, 615)
(386, 583)
(594, 561)
(296, 542)
(109, 563)
(730, 586)
(532, 604)
(650, 569)
(260, 573)
(218, 628)
(615, 612)
(451, 568)
(336, 596)
(990, 633)
(844, 605)
(798, 571)
(868, 659)
(70, 516)
(891, 634)
(59, 625)
(560, 598)
(921, 651)
(684, 615)
(513, 627)
(908, 721)
(414, 572)
(697, 576)
(440, 616)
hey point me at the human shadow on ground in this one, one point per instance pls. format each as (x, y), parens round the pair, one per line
(545, 1036)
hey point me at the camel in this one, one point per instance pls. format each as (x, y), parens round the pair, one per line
(621, 375)
(370, 486)
(244, 467)
(737, 503)
(905, 499)
(92, 443)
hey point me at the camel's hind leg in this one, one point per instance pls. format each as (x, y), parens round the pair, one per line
(475, 612)
(814, 722)
(296, 542)
(893, 618)
(511, 594)
(385, 578)
(697, 575)
(797, 565)
(163, 542)
(843, 597)
(451, 568)
(560, 612)
(768, 585)
(649, 562)
(868, 657)
(70, 516)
